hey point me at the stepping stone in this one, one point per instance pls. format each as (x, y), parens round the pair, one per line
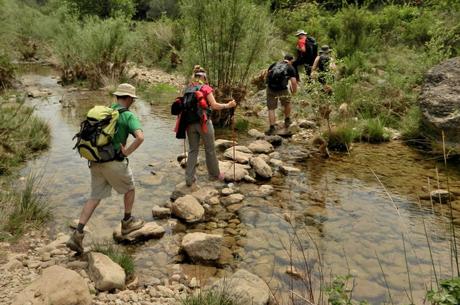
(160, 212)
(150, 230)
(289, 170)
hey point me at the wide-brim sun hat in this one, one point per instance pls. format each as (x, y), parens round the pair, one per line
(125, 90)
(300, 32)
(325, 49)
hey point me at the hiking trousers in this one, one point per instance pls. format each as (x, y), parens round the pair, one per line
(194, 134)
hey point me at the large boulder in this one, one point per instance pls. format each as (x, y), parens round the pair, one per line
(440, 104)
(261, 168)
(256, 134)
(248, 288)
(148, 231)
(232, 199)
(201, 246)
(58, 286)
(261, 147)
(205, 193)
(182, 189)
(187, 208)
(105, 274)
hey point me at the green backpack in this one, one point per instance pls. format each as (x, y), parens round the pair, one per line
(94, 140)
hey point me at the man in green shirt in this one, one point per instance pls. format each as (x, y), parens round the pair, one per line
(114, 174)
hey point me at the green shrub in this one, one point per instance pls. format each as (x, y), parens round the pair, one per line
(24, 209)
(210, 297)
(96, 51)
(102, 9)
(117, 255)
(448, 294)
(7, 71)
(227, 37)
(411, 123)
(373, 131)
(340, 137)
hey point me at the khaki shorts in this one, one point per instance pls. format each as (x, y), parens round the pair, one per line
(274, 96)
(108, 175)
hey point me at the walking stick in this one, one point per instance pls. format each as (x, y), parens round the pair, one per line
(185, 152)
(234, 150)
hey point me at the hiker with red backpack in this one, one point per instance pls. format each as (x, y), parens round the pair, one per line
(307, 50)
(102, 141)
(194, 120)
(278, 89)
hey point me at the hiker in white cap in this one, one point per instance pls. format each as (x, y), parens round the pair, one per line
(307, 49)
(116, 172)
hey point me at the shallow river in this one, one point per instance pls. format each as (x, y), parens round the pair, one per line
(338, 207)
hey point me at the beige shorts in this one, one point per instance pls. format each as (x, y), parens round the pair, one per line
(274, 96)
(108, 175)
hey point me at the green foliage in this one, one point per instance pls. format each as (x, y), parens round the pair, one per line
(227, 37)
(6, 72)
(340, 291)
(117, 255)
(411, 124)
(340, 137)
(97, 50)
(22, 135)
(24, 209)
(373, 130)
(155, 9)
(102, 8)
(210, 297)
(448, 294)
(154, 92)
(158, 41)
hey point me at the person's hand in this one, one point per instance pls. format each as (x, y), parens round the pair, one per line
(231, 104)
(124, 150)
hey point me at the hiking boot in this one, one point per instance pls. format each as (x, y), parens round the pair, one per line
(287, 122)
(75, 242)
(132, 224)
(270, 131)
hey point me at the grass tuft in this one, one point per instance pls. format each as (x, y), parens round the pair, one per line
(24, 209)
(339, 138)
(116, 254)
(210, 297)
(373, 131)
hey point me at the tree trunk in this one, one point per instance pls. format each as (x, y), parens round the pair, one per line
(224, 94)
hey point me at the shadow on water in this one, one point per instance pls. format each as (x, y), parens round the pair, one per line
(337, 202)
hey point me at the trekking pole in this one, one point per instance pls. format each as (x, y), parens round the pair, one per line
(185, 151)
(234, 150)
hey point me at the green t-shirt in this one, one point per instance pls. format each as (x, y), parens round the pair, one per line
(127, 124)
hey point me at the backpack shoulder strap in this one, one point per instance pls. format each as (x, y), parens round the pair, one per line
(121, 110)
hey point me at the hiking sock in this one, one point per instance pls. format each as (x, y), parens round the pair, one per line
(127, 216)
(80, 227)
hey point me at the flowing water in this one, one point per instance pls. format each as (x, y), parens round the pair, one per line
(337, 207)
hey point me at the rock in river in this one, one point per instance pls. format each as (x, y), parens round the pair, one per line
(201, 246)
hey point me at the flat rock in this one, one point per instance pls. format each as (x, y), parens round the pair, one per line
(232, 199)
(150, 230)
(160, 212)
(275, 162)
(238, 156)
(441, 196)
(182, 189)
(246, 287)
(205, 193)
(58, 286)
(307, 124)
(221, 144)
(289, 170)
(262, 169)
(227, 191)
(261, 147)
(263, 191)
(201, 246)
(256, 134)
(274, 140)
(187, 208)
